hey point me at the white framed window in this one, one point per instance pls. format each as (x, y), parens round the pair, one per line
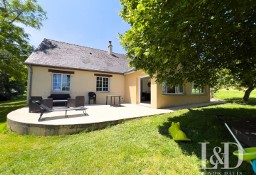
(102, 84)
(61, 82)
(197, 88)
(178, 89)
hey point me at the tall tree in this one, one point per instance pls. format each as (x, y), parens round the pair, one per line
(14, 41)
(195, 40)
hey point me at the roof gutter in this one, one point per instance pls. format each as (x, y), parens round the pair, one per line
(70, 68)
(130, 71)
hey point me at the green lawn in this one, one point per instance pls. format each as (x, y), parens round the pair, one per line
(140, 146)
(235, 96)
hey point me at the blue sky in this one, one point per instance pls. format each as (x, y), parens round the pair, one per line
(89, 23)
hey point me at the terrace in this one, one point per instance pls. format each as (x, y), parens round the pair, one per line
(98, 117)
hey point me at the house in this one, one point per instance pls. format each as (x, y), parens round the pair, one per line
(59, 67)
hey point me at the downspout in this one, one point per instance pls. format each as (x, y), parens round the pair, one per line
(29, 88)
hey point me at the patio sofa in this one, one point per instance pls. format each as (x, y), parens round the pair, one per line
(59, 97)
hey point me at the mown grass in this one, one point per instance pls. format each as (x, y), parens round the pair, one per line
(8, 106)
(235, 96)
(140, 146)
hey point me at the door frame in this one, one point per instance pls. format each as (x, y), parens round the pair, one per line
(139, 88)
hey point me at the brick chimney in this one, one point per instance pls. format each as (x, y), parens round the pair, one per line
(110, 48)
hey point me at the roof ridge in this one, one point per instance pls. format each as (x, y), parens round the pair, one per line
(80, 45)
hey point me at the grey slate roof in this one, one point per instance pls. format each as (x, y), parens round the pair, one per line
(64, 55)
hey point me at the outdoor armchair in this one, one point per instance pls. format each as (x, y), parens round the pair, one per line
(34, 108)
(78, 101)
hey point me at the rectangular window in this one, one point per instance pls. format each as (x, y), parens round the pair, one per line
(61, 83)
(102, 84)
(178, 89)
(197, 89)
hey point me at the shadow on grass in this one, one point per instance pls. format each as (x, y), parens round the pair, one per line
(201, 125)
(252, 101)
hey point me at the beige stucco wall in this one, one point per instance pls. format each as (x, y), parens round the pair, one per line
(131, 86)
(126, 85)
(82, 82)
(159, 100)
(166, 100)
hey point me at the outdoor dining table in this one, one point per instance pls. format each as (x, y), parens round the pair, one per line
(113, 97)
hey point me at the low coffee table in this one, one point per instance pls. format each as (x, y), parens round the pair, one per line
(60, 101)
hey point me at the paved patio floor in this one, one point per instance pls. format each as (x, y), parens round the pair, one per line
(23, 122)
(96, 113)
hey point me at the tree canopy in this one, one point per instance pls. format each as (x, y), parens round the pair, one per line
(193, 41)
(14, 41)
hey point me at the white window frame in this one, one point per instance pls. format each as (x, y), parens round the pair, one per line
(200, 91)
(177, 88)
(61, 82)
(102, 86)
